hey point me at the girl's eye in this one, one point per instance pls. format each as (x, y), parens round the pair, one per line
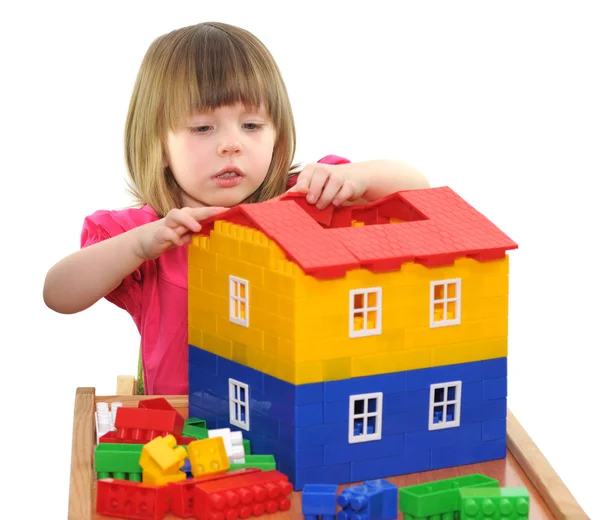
(200, 129)
(253, 126)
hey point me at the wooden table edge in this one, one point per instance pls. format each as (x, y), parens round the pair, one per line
(537, 468)
(549, 485)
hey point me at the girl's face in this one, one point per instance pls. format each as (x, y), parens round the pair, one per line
(219, 158)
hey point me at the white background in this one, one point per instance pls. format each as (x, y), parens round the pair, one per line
(498, 100)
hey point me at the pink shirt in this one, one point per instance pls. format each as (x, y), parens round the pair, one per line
(155, 295)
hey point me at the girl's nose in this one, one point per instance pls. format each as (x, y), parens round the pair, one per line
(229, 145)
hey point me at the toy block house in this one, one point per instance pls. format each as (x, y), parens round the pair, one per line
(353, 343)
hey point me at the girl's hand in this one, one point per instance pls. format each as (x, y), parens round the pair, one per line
(327, 184)
(176, 229)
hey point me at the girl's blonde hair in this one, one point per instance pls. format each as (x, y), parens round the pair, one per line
(202, 67)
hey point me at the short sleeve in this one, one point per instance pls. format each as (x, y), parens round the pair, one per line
(328, 159)
(107, 224)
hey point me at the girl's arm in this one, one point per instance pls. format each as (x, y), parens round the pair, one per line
(82, 278)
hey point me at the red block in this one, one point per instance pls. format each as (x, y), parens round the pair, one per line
(143, 425)
(112, 437)
(131, 500)
(182, 493)
(242, 496)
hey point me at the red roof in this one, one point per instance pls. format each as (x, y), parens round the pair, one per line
(438, 227)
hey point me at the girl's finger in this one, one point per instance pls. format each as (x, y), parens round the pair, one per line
(317, 184)
(332, 187)
(346, 193)
(167, 235)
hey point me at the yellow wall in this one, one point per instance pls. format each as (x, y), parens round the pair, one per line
(299, 329)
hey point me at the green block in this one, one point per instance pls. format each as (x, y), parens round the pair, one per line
(118, 458)
(195, 421)
(196, 428)
(439, 497)
(247, 447)
(494, 503)
(264, 462)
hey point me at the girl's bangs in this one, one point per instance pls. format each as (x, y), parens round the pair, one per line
(228, 76)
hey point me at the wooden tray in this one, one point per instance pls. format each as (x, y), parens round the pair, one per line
(524, 466)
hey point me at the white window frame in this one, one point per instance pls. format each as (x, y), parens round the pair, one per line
(365, 309)
(456, 402)
(235, 404)
(445, 300)
(378, 414)
(235, 301)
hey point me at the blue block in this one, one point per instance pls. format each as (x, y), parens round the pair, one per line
(495, 388)
(373, 500)
(322, 475)
(344, 452)
(389, 497)
(319, 499)
(207, 382)
(468, 454)
(426, 440)
(465, 372)
(205, 361)
(285, 392)
(472, 392)
(337, 411)
(386, 383)
(250, 376)
(483, 411)
(404, 422)
(321, 435)
(195, 411)
(266, 426)
(309, 415)
(409, 462)
(309, 394)
(495, 368)
(492, 430)
(311, 457)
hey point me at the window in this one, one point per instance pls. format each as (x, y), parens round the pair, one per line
(238, 301)
(365, 417)
(445, 303)
(365, 312)
(238, 404)
(444, 405)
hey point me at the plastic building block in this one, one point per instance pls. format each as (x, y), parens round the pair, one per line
(233, 442)
(264, 462)
(131, 500)
(319, 501)
(161, 461)
(373, 500)
(119, 461)
(208, 456)
(160, 403)
(111, 437)
(439, 497)
(494, 504)
(182, 493)
(242, 496)
(196, 428)
(143, 425)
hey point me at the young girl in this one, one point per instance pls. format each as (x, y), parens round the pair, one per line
(209, 126)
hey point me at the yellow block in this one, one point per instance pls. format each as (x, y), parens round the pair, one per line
(207, 456)
(467, 352)
(165, 453)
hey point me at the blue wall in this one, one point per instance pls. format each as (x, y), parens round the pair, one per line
(306, 427)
